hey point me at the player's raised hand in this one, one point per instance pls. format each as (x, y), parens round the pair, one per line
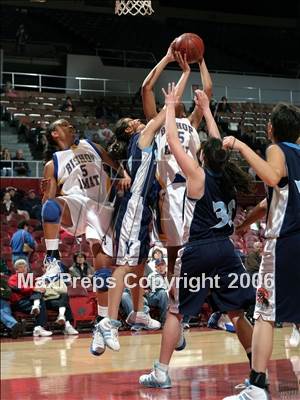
(170, 54)
(182, 62)
(232, 143)
(170, 95)
(201, 99)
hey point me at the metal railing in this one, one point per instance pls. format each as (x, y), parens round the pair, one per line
(43, 82)
(80, 85)
(35, 169)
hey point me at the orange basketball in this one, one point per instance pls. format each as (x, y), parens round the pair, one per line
(190, 44)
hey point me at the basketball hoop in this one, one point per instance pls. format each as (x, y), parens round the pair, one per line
(124, 7)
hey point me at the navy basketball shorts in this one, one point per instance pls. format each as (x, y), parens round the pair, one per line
(278, 293)
(210, 266)
(132, 231)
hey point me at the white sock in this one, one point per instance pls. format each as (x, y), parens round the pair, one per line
(102, 311)
(67, 324)
(161, 371)
(36, 303)
(37, 327)
(52, 244)
(62, 311)
(140, 314)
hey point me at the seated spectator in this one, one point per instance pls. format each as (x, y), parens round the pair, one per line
(105, 134)
(90, 131)
(33, 205)
(17, 198)
(223, 106)
(157, 254)
(6, 317)
(81, 268)
(68, 105)
(6, 165)
(158, 295)
(8, 207)
(28, 298)
(253, 259)
(56, 298)
(20, 167)
(142, 317)
(9, 91)
(22, 243)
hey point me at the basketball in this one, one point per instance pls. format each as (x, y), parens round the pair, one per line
(190, 44)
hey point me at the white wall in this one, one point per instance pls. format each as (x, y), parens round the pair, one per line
(238, 87)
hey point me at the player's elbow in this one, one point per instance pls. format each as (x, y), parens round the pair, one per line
(272, 180)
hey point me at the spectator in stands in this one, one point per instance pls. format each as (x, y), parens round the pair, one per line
(253, 259)
(20, 167)
(102, 110)
(6, 316)
(105, 134)
(22, 243)
(68, 105)
(81, 267)
(17, 198)
(33, 205)
(9, 91)
(223, 106)
(56, 298)
(21, 39)
(6, 169)
(90, 131)
(8, 207)
(158, 295)
(157, 254)
(28, 298)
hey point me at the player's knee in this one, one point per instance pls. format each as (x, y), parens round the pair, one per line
(51, 212)
(235, 315)
(102, 279)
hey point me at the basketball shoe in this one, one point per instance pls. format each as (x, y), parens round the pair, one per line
(250, 393)
(98, 345)
(53, 270)
(294, 339)
(158, 378)
(141, 320)
(40, 331)
(181, 344)
(218, 320)
(109, 330)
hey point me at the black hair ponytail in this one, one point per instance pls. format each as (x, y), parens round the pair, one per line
(233, 178)
(118, 149)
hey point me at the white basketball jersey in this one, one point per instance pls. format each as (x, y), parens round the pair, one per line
(167, 166)
(79, 170)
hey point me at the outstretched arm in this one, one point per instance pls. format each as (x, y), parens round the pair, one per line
(197, 114)
(189, 166)
(202, 104)
(270, 171)
(257, 213)
(148, 133)
(149, 104)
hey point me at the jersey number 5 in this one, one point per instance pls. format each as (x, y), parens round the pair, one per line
(83, 170)
(224, 213)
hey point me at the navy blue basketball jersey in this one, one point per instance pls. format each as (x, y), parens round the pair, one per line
(212, 216)
(284, 199)
(141, 166)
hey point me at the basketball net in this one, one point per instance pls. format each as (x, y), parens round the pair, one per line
(124, 7)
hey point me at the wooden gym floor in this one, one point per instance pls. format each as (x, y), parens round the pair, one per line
(212, 364)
